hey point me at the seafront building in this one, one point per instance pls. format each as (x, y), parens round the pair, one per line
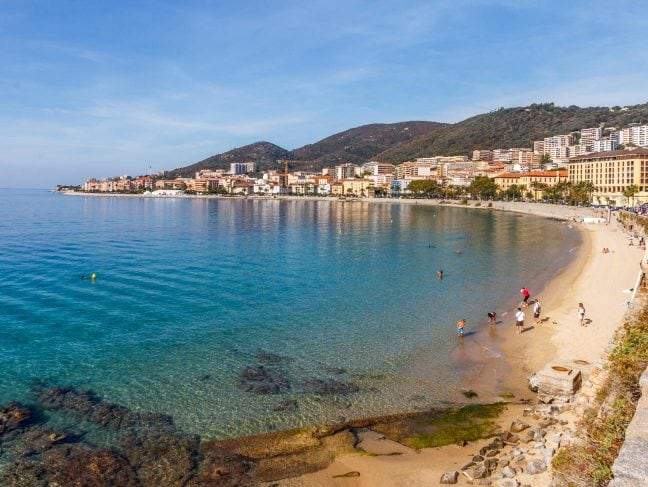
(531, 182)
(611, 174)
(591, 154)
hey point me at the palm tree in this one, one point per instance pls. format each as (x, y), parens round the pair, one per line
(630, 192)
(537, 186)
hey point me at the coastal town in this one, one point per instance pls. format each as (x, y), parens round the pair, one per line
(598, 165)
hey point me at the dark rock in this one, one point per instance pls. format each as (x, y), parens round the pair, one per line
(468, 465)
(492, 453)
(329, 386)
(14, 416)
(449, 477)
(73, 466)
(205, 377)
(287, 406)
(478, 458)
(262, 380)
(36, 440)
(220, 468)
(160, 458)
(91, 408)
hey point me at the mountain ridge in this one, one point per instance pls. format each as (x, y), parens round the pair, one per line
(401, 141)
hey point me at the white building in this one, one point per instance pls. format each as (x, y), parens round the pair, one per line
(590, 135)
(550, 144)
(603, 145)
(238, 168)
(635, 135)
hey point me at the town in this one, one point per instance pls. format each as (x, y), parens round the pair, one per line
(597, 165)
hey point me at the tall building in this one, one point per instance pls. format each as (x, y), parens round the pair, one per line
(557, 141)
(589, 135)
(611, 173)
(501, 155)
(345, 171)
(603, 145)
(635, 135)
(237, 168)
(482, 155)
(538, 147)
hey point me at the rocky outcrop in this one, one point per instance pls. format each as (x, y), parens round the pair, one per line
(263, 380)
(13, 416)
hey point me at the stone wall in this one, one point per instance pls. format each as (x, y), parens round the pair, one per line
(631, 466)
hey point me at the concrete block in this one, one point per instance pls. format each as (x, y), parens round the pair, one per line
(559, 381)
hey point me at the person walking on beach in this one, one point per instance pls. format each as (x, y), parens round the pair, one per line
(525, 295)
(581, 314)
(519, 320)
(537, 308)
(460, 327)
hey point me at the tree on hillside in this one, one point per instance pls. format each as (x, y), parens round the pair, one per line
(483, 187)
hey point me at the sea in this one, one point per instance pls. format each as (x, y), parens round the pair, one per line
(338, 301)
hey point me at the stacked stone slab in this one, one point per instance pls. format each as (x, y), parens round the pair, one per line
(557, 381)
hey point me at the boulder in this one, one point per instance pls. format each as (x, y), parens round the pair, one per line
(535, 467)
(449, 477)
(517, 426)
(560, 381)
(534, 382)
(508, 472)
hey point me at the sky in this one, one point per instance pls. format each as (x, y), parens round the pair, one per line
(94, 88)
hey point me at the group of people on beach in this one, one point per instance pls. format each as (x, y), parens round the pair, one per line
(520, 315)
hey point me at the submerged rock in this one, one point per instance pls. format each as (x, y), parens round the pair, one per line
(66, 465)
(329, 386)
(262, 380)
(221, 468)
(287, 406)
(87, 405)
(269, 358)
(14, 416)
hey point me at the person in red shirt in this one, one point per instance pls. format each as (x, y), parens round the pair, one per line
(525, 295)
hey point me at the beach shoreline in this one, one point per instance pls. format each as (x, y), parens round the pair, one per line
(589, 277)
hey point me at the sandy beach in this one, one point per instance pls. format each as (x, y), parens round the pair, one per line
(602, 282)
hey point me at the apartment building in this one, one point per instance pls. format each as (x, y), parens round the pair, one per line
(237, 168)
(611, 173)
(416, 170)
(605, 145)
(538, 147)
(502, 155)
(556, 142)
(634, 135)
(353, 187)
(378, 168)
(589, 135)
(482, 155)
(345, 171)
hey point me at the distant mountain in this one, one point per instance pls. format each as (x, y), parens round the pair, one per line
(512, 127)
(264, 154)
(398, 142)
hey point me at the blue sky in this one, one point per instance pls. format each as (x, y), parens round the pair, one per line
(96, 88)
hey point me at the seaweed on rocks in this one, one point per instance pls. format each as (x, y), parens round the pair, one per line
(270, 358)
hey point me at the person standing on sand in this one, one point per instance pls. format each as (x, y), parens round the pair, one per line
(492, 318)
(581, 314)
(525, 295)
(519, 320)
(537, 308)
(460, 327)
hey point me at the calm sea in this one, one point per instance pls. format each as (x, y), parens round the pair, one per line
(190, 291)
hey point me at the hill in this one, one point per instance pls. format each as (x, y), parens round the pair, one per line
(360, 144)
(264, 154)
(512, 127)
(398, 142)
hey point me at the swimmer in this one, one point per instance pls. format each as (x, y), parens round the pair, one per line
(93, 277)
(440, 274)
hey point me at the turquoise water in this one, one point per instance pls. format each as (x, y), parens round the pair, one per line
(190, 290)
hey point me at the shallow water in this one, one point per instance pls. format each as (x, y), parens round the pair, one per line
(190, 290)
